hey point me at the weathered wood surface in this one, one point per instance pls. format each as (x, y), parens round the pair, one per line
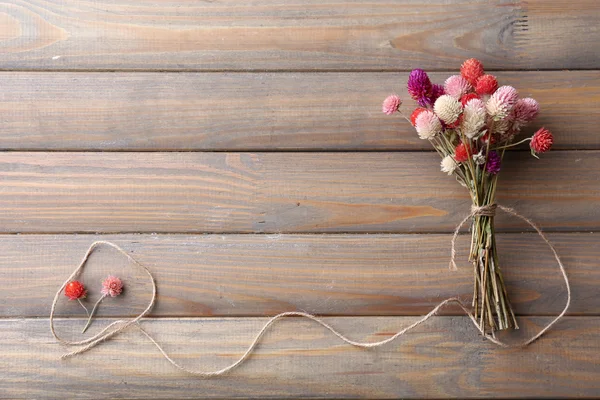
(261, 275)
(281, 192)
(255, 111)
(442, 358)
(282, 34)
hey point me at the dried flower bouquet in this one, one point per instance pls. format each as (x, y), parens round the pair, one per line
(470, 122)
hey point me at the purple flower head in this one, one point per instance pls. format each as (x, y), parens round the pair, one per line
(493, 163)
(436, 91)
(419, 87)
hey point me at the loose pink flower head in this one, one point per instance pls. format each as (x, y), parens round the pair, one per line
(391, 104)
(502, 102)
(524, 111)
(112, 286)
(457, 86)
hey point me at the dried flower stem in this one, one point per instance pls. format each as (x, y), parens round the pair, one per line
(84, 307)
(93, 312)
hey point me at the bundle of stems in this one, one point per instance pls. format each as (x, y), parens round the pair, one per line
(491, 305)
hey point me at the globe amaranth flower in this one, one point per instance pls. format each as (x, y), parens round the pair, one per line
(436, 92)
(541, 141)
(420, 87)
(501, 103)
(486, 84)
(471, 70)
(524, 111)
(469, 96)
(428, 125)
(448, 164)
(415, 114)
(112, 286)
(391, 104)
(493, 163)
(457, 86)
(473, 118)
(75, 290)
(448, 109)
(462, 152)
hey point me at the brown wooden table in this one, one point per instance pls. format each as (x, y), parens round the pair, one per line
(238, 150)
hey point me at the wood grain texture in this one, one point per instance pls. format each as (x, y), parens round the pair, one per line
(255, 111)
(261, 275)
(283, 34)
(443, 358)
(281, 192)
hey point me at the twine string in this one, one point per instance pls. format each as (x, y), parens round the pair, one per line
(121, 325)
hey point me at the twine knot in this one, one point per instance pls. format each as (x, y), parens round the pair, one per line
(488, 210)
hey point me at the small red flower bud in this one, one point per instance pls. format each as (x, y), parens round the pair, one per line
(415, 114)
(487, 84)
(462, 152)
(75, 290)
(469, 96)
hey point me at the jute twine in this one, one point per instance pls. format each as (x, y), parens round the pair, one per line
(120, 325)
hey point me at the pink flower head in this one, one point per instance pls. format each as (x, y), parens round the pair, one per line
(428, 124)
(112, 286)
(524, 111)
(502, 102)
(391, 104)
(457, 86)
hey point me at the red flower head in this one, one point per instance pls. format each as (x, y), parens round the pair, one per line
(469, 96)
(415, 114)
(485, 138)
(112, 286)
(462, 152)
(75, 290)
(541, 141)
(487, 84)
(471, 70)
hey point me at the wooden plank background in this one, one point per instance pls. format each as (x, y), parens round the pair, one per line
(238, 150)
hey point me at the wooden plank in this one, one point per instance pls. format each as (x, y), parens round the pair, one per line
(282, 34)
(261, 275)
(254, 111)
(280, 192)
(443, 358)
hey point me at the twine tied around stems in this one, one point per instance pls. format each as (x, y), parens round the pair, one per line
(120, 325)
(488, 210)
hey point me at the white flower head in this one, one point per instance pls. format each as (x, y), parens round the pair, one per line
(473, 118)
(448, 164)
(447, 108)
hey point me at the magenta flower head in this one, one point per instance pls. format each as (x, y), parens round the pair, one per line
(419, 87)
(112, 286)
(436, 92)
(391, 104)
(493, 163)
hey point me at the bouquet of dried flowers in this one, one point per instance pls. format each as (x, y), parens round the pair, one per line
(470, 122)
